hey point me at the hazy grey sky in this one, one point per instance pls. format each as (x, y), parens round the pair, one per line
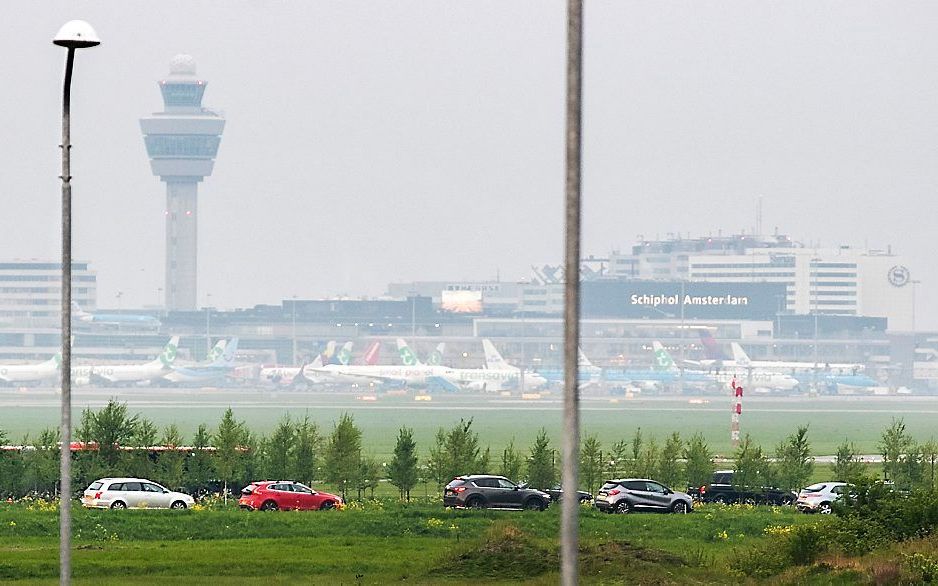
(376, 141)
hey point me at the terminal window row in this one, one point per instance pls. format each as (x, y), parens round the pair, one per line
(56, 278)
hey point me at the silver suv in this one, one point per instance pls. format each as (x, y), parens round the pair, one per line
(820, 497)
(133, 493)
(640, 494)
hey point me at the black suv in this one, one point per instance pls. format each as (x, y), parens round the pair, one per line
(480, 491)
(722, 490)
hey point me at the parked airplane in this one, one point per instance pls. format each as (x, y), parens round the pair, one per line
(117, 319)
(293, 376)
(829, 376)
(753, 378)
(716, 358)
(497, 375)
(216, 370)
(136, 373)
(42, 372)
(587, 372)
(740, 358)
(411, 373)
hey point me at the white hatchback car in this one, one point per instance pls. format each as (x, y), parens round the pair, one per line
(820, 497)
(133, 493)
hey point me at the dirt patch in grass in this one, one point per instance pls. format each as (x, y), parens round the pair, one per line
(506, 552)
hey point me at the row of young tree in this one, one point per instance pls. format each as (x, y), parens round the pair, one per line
(231, 456)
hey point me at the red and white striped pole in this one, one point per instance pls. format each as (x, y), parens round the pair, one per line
(737, 412)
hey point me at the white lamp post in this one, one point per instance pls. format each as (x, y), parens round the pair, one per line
(75, 34)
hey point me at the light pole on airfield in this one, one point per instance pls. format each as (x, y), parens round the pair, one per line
(75, 34)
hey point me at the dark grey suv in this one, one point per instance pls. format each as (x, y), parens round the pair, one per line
(481, 491)
(640, 494)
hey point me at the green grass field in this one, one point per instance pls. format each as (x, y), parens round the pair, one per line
(861, 420)
(378, 543)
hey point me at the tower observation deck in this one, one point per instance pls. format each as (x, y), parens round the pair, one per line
(182, 142)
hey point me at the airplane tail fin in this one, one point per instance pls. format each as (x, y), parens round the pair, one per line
(329, 352)
(344, 355)
(582, 361)
(371, 354)
(227, 354)
(168, 355)
(713, 350)
(494, 360)
(408, 357)
(78, 312)
(436, 357)
(739, 355)
(217, 351)
(317, 363)
(663, 360)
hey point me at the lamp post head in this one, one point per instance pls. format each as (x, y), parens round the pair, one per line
(76, 34)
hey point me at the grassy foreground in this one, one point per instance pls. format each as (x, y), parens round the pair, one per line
(377, 542)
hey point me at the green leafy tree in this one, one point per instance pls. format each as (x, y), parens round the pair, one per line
(41, 465)
(110, 428)
(344, 454)
(280, 450)
(698, 467)
(635, 461)
(139, 461)
(847, 466)
(438, 466)
(929, 460)
(199, 469)
(669, 463)
(369, 476)
(172, 464)
(901, 457)
(464, 453)
(230, 441)
(512, 462)
(308, 443)
(591, 463)
(647, 465)
(619, 464)
(541, 470)
(793, 462)
(752, 468)
(402, 471)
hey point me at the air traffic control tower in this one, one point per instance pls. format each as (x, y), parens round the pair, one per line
(182, 142)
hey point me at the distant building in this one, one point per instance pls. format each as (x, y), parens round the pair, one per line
(31, 291)
(182, 142)
(826, 281)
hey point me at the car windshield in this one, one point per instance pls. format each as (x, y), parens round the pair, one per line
(248, 489)
(95, 486)
(455, 482)
(610, 484)
(815, 488)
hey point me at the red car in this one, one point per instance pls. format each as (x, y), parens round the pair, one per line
(271, 495)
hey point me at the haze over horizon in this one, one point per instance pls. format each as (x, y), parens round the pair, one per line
(368, 143)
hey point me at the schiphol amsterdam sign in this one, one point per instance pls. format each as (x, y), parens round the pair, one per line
(695, 299)
(656, 300)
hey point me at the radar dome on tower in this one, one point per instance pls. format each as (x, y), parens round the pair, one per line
(182, 65)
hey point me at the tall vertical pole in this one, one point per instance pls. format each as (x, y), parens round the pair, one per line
(569, 520)
(65, 453)
(293, 359)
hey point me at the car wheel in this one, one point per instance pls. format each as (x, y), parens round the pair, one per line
(326, 506)
(475, 503)
(787, 501)
(749, 501)
(622, 508)
(534, 504)
(118, 505)
(178, 505)
(680, 507)
(269, 506)
(719, 499)
(824, 509)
